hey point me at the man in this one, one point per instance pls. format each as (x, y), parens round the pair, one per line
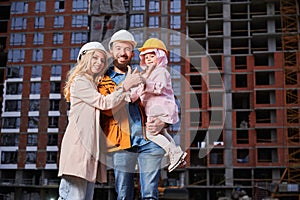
(125, 129)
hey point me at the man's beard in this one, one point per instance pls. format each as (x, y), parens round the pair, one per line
(122, 67)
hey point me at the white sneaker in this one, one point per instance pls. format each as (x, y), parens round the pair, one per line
(176, 158)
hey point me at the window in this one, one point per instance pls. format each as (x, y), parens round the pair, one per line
(153, 6)
(58, 38)
(39, 22)
(56, 70)
(33, 122)
(216, 156)
(36, 71)
(54, 105)
(52, 139)
(175, 6)
(139, 37)
(175, 39)
(9, 157)
(57, 54)
(216, 117)
(175, 71)
(175, 22)
(79, 21)
(13, 105)
(34, 105)
(53, 122)
(37, 55)
(14, 72)
(137, 20)
(11, 122)
(55, 87)
(80, 5)
(16, 55)
(176, 88)
(267, 155)
(175, 55)
(38, 38)
(73, 53)
(19, 7)
(242, 137)
(136, 57)
(59, 5)
(79, 37)
(18, 23)
(32, 139)
(13, 88)
(35, 88)
(58, 22)
(40, 6)
(153, 35)
(241, 80)
(9, 139)
(138, 5)
(153, 22)
(242, 155)
(51, 157)
(30, 157)
(17, 39)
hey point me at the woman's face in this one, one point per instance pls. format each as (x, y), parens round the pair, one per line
(97, 63)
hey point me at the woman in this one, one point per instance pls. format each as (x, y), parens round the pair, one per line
(83, 146)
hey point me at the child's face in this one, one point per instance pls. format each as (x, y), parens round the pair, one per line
(150, 59)
(97, 63)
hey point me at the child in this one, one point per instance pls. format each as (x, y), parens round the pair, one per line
(81, 149)
(158, 98)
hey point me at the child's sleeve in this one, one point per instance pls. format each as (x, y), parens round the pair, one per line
(136, 92)
(158, 82)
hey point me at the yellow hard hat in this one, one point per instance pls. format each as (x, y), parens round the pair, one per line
(154, 43)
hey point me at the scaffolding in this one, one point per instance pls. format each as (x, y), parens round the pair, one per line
(290, 178)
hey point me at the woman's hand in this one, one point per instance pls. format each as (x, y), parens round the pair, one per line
(132, 79)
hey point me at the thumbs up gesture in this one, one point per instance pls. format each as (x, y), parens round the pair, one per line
(132, 79)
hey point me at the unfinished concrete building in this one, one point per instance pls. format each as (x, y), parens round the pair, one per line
(254, 46)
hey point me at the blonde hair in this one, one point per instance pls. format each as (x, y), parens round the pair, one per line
(81, 68)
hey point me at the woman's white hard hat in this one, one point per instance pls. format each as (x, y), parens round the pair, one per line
(90, 46)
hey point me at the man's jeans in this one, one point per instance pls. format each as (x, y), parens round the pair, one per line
(149, 159)
(75, 188)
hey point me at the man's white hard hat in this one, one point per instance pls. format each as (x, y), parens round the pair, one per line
(90, 46)
(122, 36)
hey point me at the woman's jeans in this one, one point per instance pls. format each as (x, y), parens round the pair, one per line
(75, 188)
(149, 159)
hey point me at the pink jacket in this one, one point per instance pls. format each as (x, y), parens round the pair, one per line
(157, 95)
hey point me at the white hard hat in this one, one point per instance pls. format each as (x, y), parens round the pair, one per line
(122, 36)
(90, 46)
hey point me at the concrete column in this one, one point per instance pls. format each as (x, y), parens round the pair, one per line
(228, 96)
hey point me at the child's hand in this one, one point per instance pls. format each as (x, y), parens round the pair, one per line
(147, 72)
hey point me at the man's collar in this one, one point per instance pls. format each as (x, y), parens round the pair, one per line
(112, 73)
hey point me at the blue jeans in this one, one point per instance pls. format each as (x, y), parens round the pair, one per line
(75, 188)
(149, 159)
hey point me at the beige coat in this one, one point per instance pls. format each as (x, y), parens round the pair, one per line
(83, 146)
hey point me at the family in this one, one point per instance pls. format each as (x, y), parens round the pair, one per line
(119, 111)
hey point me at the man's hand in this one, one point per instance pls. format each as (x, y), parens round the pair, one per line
(132, 79)
(154, 126)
